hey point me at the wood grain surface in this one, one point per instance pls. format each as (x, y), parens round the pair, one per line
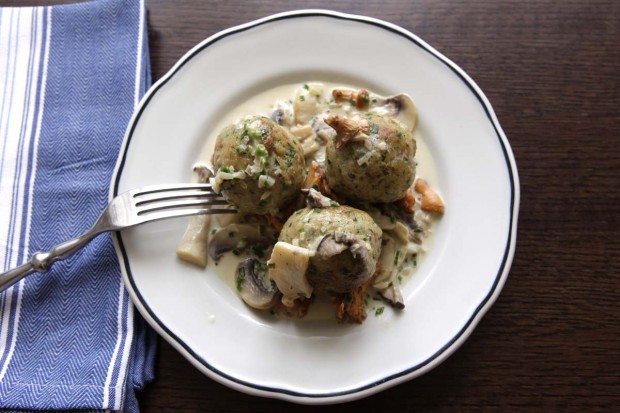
(551, 70)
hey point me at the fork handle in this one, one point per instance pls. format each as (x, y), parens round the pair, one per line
(42, 261)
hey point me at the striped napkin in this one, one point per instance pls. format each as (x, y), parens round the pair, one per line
(70, 78)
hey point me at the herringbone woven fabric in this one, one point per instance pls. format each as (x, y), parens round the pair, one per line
(70, 78)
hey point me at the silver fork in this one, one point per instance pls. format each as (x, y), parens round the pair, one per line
(131, 208)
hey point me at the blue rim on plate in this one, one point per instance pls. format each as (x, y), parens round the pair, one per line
(411, 372)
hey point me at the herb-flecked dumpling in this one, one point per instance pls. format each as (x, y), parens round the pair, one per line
(372, 158)
(259, 166)
(345, 244)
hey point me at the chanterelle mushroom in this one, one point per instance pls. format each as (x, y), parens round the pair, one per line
(347, 129)
(360, 98)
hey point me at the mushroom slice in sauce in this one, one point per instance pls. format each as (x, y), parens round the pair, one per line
(405, 224)
(255, 287)
(399, 107)
(194, 244)
(386, 280)
(317, 200)
(238, 238)
(287, 267)
(333, 272)
(307, 103)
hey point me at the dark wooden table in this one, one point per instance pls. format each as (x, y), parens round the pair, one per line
(551, 69)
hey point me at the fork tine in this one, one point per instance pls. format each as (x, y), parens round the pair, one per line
(175, 213)
(145, 208)
(158, 193)
(143, 199)
(145, 190)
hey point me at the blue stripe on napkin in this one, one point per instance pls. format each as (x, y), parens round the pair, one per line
(70, 78)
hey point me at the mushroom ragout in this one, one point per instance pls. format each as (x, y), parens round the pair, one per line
(329, 202)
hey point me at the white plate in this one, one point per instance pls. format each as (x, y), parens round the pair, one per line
(322, 362)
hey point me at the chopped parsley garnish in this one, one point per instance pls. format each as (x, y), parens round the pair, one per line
(379, 311)
(258, 251)
(240, 278)
(396, 257)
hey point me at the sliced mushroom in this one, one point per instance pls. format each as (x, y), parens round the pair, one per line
(399, 107)
(287, 267)
(309, 147)
(194, 244)
(238, 238)
(317, 200)
(307, 102)
(386, 281)
(386, 263)
(323, 131)
(203, 172)
(398, 214)
(227, 219)
(333, 245)
(341, 263)
(394, 296)
(254, 285)
(278, 116)
(403, 233)
(302, 132)
(283, 113)
(383, 220)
